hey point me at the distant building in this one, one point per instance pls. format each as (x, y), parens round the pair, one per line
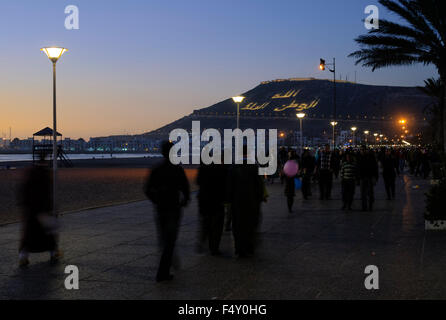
(4, 143)
(123, 143)
(69, 145)
(22, 145)
(343, 137)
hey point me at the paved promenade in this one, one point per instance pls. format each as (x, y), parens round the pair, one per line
(318, 252)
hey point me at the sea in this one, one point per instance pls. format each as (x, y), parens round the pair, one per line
(80, 156)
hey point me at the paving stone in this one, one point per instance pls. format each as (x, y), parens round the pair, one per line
(316, 252)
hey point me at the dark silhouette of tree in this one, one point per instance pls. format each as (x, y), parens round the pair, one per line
(421, 38)
(436, 89)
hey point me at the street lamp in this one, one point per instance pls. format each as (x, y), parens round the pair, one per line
(366, 136)
(322, 66)
(54, 53)
(301, 116)
(334, 124)
(354, 137)
(381, 140)
(376, 137)
(238, 100)
(282, 136)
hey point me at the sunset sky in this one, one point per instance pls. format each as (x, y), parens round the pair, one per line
(136, 65)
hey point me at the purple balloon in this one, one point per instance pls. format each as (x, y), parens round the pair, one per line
(291, 168)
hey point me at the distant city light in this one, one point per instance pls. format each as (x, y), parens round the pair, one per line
(406, 143)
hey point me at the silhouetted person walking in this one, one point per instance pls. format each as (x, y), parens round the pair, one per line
(290, 192)
(325, 169)
(368, 174)
(212, 181)
(336, 162)
(349, 176)
(245, 194)
(39, 224)
(290, 187)
(425, 163)
(283, 157)
(307, 166)
(167, 187)
(389, 165)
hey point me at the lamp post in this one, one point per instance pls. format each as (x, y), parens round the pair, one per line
(54, 53)
(366, 137)
(322, 66)
(282, 136)
(376, 137)
(301, 116)
(334, 124)
(354, 136)
(238, 100)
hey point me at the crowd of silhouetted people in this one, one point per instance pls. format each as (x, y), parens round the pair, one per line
(355, 167)
(234, 193)
(226, 192)
(230, 196)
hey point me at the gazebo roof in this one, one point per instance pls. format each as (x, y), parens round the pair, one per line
(45, 133)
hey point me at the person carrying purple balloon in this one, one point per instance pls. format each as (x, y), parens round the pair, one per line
(290, 171)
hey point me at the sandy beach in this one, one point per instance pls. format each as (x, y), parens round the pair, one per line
(89, 184)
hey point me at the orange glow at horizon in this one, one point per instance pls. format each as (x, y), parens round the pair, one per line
(99, 105)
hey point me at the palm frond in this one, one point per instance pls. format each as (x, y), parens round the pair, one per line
(419, 40)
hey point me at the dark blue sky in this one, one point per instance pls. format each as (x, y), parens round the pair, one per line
(135, 65)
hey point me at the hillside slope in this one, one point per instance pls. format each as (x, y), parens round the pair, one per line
(274, 104)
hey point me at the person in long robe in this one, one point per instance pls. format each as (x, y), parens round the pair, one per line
(211, 180)
(39, 225)
(246, 191)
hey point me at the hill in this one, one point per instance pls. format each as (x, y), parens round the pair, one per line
(274, 104)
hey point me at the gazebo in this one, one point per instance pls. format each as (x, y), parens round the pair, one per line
(46, 145)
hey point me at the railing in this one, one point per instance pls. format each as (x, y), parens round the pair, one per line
(48, 149)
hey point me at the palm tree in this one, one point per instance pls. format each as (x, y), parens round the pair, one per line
(435, 89)
(421, 39)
